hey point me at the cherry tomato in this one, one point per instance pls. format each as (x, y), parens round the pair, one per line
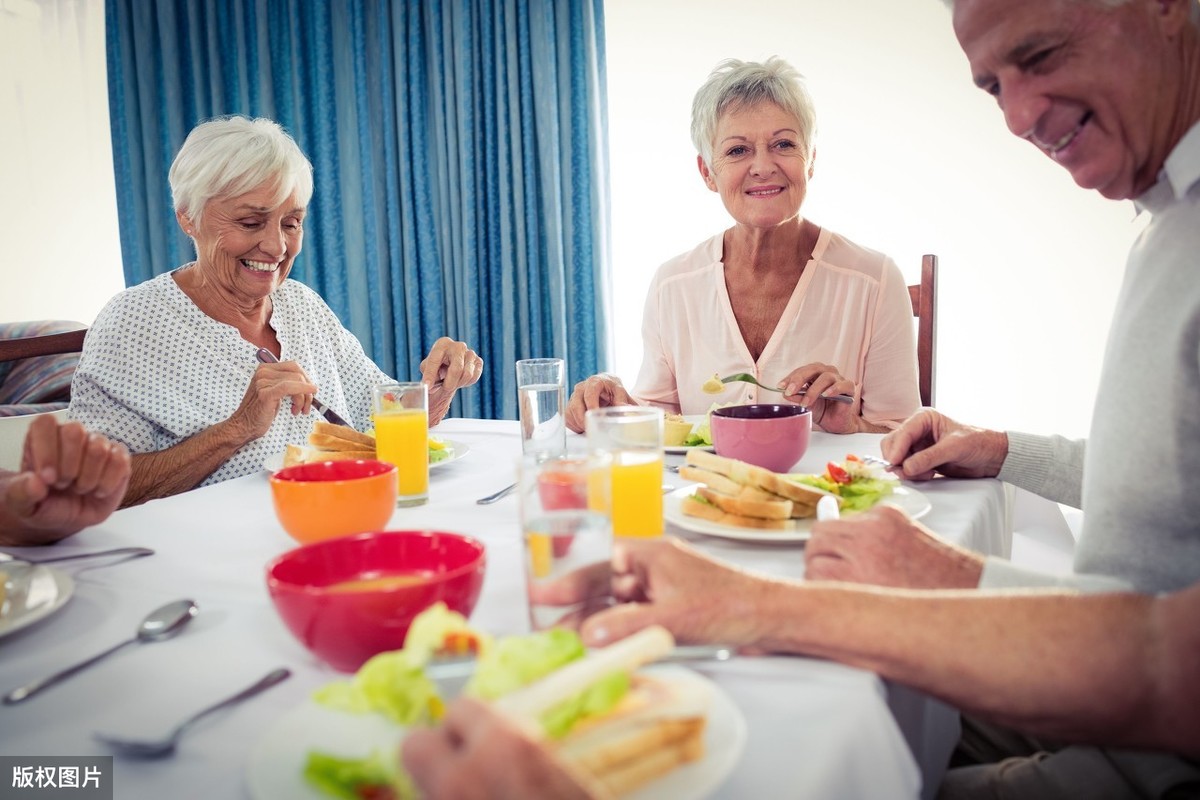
(836, 473)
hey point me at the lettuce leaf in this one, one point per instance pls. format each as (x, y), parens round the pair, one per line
(356, 778)
(516, 661)
(598, 698)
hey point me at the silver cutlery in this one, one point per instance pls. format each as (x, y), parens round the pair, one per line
(165, 746)
(746, 377)
(491, 498)
(128, 552)
(267, 357)
(160, 624)
(463, 667)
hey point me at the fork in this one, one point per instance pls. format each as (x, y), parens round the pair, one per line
(156, 748)
(267, 357)
(746, 377)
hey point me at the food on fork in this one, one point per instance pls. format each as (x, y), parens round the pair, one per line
(713, 385)
(740, 494)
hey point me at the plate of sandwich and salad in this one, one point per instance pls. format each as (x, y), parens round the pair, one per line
(329, 442)
(735, 500)
(635, 729)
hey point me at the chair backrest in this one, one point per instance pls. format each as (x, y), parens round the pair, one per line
(924, 305)
(46, 345)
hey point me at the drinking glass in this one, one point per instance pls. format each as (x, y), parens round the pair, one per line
(541, 403)
(631, 436)
(402, 437)
(565, 527)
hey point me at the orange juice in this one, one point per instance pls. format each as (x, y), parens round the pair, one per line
(402, 438)
(637, 508)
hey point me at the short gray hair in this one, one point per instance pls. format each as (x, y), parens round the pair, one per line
(735, 84)
(230, 156)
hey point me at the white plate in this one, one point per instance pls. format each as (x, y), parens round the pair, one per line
(908, 500)
(276, 765)
(31, 592)
(274, 463)
(695, 419)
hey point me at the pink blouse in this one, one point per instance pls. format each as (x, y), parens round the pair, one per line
(850, 308)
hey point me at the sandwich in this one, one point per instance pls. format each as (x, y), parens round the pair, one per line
(652, 726)
(736, 493)
(614, 728)
(329, 442)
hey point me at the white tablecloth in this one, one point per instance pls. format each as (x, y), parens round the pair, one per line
(816, 729)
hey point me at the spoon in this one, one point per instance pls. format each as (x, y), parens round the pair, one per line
(162, 623)
(746, 377)
(154, 748)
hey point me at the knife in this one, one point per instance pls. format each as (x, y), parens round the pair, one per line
(267, 357)
(456, 667)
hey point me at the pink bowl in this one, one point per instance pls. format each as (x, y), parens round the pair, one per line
(347, 599)
(770, 436)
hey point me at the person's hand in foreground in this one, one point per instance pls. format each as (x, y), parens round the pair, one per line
(598, 391)
(664, 582)
(449, 367)
(69, 479)
(883, 546)
(477, 753)
(929, 442)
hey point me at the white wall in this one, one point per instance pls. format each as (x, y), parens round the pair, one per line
(58, 210)
(911, 158)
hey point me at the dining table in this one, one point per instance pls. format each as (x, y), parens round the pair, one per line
(814, 728)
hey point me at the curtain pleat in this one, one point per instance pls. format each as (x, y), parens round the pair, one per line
(459, 154)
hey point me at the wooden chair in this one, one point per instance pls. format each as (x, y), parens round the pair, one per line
(924, 305)
(46, 345)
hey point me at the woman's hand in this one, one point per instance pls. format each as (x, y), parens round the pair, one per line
(449, 366)
(269, 386)
(806, 386)
(598, 391)
(69, 479)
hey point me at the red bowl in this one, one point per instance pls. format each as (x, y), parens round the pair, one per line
(770, 436)
(348, 599)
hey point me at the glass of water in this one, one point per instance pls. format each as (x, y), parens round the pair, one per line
(564, 526)
(541, 404)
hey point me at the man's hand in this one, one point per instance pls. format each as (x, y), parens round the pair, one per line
(69, 479)
(598, 391)
(884, 547)
(477, 753)
(929, 443)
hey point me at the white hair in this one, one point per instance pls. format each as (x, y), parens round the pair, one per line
(736, 84)
(230, 156)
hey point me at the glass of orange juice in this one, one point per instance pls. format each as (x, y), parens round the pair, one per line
(565, 527)
(402, 437)
(631, 436)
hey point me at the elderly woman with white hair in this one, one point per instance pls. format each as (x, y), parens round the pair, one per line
(777, 296)
(169, 368)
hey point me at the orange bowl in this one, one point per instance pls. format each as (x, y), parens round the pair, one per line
(348, 599)
(322, 501)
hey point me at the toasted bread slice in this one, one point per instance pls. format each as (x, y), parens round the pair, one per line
(733, 504)
(299, 454)
(750, 475)
(713, 480)
(327, 436)
(694, 508)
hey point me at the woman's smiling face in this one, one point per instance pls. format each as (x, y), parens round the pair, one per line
(247, 244)
(760, 167)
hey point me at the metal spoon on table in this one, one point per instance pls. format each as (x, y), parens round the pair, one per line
(162, 623)
(746, 377)
(153, 748)
(128, 552)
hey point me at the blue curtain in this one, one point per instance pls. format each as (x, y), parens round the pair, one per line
(459, 150)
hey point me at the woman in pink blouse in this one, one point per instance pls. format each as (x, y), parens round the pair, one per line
(794, 304)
